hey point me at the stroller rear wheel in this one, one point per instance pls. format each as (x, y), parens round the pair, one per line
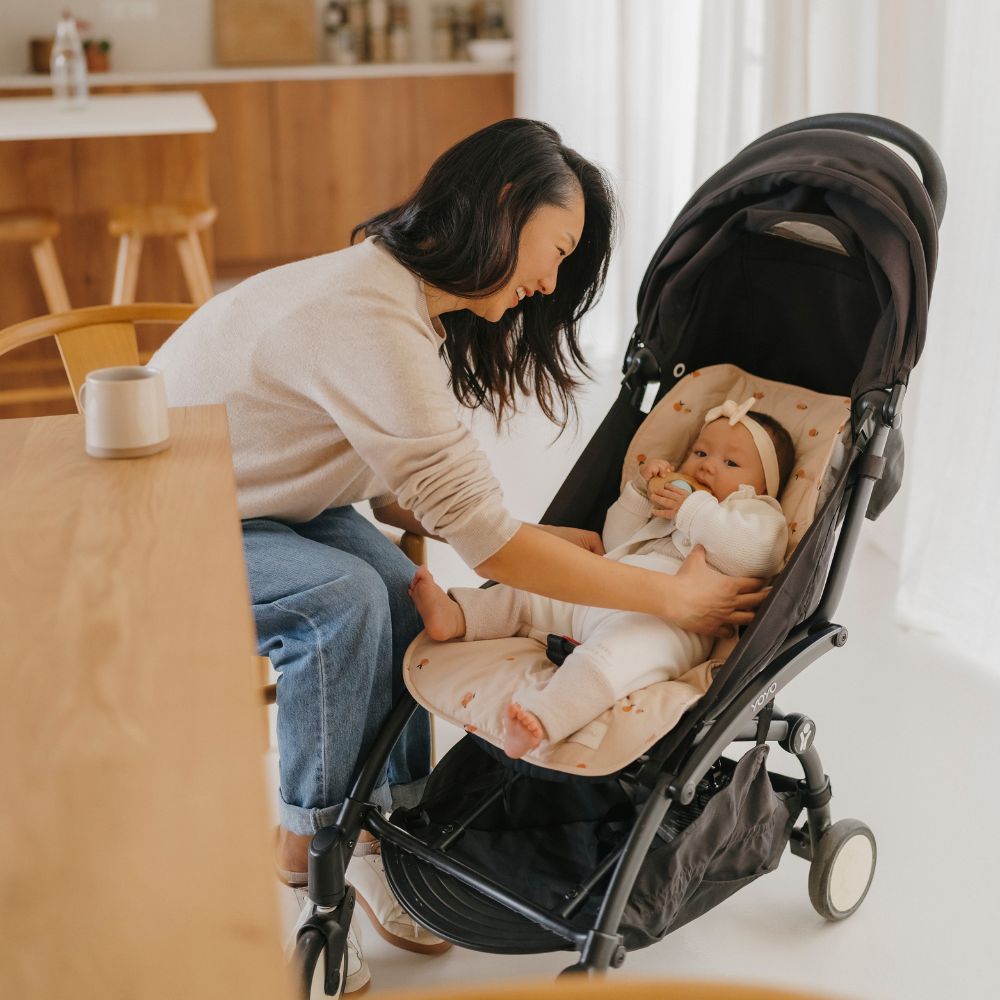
(842, 869)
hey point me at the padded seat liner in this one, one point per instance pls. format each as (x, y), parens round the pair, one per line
(472, 683)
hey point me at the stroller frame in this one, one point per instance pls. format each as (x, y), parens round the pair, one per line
(750, 716)
(670, 770)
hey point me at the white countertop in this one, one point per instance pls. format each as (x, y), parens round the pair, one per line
(238, 74)
(105, 115)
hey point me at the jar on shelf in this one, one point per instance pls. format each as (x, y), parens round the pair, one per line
(442, 16)
(399, 33)
(462, 31)
(342, 40)
(378, 30)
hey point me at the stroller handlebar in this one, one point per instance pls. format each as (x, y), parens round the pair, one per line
(931, 168)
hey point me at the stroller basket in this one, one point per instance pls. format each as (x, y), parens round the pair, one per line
(553, 847)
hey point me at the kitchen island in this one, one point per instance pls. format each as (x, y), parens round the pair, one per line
(78, 164)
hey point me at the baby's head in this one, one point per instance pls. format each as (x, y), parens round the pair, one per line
(728, 453)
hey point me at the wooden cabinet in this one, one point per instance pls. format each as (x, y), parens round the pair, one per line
(294, 165)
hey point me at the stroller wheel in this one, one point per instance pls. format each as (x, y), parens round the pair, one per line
(310, 959)
(842, 869)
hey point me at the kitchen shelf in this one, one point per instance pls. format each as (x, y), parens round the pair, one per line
(237, 74)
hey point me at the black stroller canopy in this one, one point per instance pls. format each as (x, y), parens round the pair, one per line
(807, 259)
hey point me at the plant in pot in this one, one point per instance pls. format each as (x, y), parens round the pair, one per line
(98, 53)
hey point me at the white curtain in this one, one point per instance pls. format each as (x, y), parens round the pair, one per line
(664, 93)
(950, 569)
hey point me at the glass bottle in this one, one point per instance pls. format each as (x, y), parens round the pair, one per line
(68, 66)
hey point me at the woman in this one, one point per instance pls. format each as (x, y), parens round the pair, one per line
(335, 373)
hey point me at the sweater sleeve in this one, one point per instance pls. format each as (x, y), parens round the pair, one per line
(745, 535)
(625, 517)
(389, 396)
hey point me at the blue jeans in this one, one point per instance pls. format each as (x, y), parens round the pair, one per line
(332, 612)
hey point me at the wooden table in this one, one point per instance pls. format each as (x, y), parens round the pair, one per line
(79, 164)
(134, 833)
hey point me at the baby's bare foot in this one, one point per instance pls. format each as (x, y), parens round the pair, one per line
(442, 616)
(522, 731)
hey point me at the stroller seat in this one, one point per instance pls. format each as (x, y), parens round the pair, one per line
(472, 683)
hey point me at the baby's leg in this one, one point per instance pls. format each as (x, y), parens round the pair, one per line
(621, 653)
(500, 611)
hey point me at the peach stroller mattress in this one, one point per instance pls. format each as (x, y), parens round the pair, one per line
(472, 683)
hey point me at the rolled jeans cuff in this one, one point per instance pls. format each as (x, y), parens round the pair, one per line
(303, 821)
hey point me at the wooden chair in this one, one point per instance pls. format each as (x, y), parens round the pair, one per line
(133, 224)
(612, 988)
(104, 336)
(38, 228)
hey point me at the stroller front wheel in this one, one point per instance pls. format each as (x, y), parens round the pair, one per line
(311, 955)
(842, 869)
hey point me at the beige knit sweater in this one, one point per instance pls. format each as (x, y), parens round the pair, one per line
(336, 393)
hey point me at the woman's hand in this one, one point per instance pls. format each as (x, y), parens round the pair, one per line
(589, 540)
(708, 602)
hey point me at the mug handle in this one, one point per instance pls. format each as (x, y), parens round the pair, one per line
(80, 396)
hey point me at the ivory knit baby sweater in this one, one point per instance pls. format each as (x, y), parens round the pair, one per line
(336, 392)
(743, 535)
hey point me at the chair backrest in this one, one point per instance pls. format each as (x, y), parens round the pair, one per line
(94, 337)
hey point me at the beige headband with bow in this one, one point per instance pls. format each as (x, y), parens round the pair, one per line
(737, 414)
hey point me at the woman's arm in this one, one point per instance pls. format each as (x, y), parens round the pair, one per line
(399, 517)
(698, 598)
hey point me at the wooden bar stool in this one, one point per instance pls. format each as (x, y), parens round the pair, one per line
(134, 223)
(38, 228)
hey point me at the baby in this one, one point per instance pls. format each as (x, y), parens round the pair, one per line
(738, 465)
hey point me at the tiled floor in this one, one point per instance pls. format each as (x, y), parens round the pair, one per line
(906, 731)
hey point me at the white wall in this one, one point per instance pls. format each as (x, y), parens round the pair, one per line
(147, 35)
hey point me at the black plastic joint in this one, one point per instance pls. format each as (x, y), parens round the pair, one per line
(328, 853)
(801, 734)
(816, 800)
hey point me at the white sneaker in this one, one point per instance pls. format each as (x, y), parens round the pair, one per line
(357, 975)
(367, 874)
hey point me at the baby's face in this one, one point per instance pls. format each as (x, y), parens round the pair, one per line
(724, 458)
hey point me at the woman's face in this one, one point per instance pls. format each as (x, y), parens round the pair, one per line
(548, 238)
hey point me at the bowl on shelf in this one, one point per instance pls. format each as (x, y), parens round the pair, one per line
(491, 50)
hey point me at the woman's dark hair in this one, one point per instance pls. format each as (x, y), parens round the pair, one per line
(460, 231)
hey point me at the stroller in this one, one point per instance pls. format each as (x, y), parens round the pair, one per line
(801, 272)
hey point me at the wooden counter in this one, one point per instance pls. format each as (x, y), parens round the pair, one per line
(134, 834)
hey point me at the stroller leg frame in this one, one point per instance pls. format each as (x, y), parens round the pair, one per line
(330, 850)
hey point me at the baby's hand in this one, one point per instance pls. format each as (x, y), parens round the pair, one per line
(667, 500)
(656, 467)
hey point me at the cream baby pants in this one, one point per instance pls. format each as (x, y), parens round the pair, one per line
(619, 651)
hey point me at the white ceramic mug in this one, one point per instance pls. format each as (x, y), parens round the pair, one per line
(125, 412)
